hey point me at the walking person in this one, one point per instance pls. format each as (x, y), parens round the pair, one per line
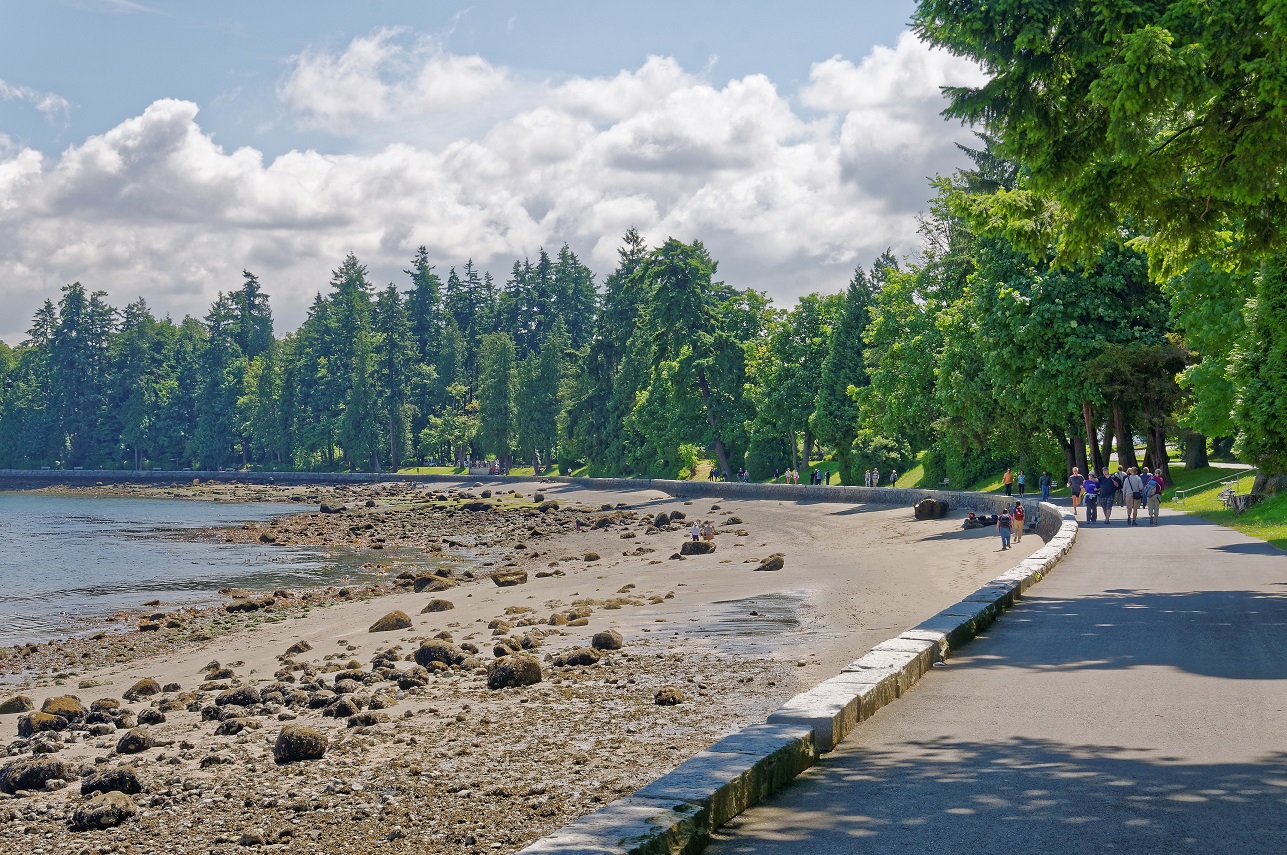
(696, 532)
(1133, 488)
(875, 477)
(1003, 528)
(1075, 482)
(1018, 516)
(1090, 491)
(1022, 479)
(1045, 482)
(866, 478)
(1108, 490)
(1008, 480)
(1153, 496)
(893, 477)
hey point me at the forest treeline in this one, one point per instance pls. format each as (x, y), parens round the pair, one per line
(974, 352)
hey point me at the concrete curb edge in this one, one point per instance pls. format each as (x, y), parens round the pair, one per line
(675, 814)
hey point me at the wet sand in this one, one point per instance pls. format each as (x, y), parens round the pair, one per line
(457, 767)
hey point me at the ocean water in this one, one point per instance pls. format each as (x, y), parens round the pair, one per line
(66, 564)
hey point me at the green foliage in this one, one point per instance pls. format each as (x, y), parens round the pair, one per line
(1260, 366)
(869, 449)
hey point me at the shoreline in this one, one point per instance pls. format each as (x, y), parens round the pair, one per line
(735, 643)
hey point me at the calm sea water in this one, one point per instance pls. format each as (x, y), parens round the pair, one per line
(68, 563)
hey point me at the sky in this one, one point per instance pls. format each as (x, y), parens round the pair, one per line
(159, 149)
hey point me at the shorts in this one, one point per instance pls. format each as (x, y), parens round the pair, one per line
(1132, 503)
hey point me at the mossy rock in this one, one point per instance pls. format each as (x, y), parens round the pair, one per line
(391, 622)
(518, 669)
(776, 561)
(577, 656)
(121, 779)
(437, 605)
(669, 696)
(697, 547)
(432, 584)
(38, 722)
(31, 773)
(297, 743)
(145, 688)
(16, 704)
(436, 650)
(105, 810)
(67, 706)
(135, 741)
(509, 578)
(607, 639)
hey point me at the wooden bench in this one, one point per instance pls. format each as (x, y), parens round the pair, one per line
(1233, 500)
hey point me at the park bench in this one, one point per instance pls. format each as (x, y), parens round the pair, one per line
(1234, 500)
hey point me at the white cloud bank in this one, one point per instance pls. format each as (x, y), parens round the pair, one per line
(788, 192)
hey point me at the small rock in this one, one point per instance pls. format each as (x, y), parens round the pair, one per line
(298, 647)
(668, 696)
(508, 578)
(436, 605)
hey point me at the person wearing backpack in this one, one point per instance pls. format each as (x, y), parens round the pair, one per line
(1017, 516)
(1133, 488)
(1004, 522)
(1153, 496)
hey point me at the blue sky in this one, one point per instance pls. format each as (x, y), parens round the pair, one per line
(156, 149)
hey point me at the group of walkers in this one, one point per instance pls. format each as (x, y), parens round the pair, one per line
(1131, 489)
(792, 476)
(871, 478)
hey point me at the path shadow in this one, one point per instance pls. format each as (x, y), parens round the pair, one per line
(1229, 634)
(1250, 549)
(1020, 796)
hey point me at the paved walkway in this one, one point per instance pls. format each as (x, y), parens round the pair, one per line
(1135, 701)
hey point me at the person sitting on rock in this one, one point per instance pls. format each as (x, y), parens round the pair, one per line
(970, 521)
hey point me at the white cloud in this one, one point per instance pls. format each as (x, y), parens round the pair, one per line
(50, 104)
(787, 200)
(386, 77)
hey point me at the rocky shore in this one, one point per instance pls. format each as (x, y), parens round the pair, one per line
(553, 651)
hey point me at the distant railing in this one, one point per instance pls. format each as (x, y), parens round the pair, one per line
(1229, 482)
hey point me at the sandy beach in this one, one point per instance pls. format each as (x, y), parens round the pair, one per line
(422, 756)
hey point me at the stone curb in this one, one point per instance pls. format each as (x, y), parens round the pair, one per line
(675, 814)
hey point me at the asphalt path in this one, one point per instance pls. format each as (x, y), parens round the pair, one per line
(1134, 701)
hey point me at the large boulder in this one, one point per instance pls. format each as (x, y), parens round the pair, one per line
(38, 722)
(697, 547)
(929, 509)
(432, 584)
(437, 650)
(243, 696)
(121, 779)
(134, 741)
(145, 688)
(518, 669)
(296, 743)
(436, 605)
(31, 773)
(67, 706)
(607, 639)
(16, 704)
(105, 810)
(394, 620)
(577, 656)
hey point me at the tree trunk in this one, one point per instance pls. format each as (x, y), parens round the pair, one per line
(1088, 441)
(1125, 442)
(1079, 455)
(721, 453)
(1068, 446)
(808, 447)
(1195, 450)
(1107, 449)
(393, 442)
(1268, 485)
(1155, 456)
(1222, 446)
(375, 461)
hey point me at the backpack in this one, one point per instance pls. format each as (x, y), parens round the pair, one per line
(1004, 520)
(1150, 488)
